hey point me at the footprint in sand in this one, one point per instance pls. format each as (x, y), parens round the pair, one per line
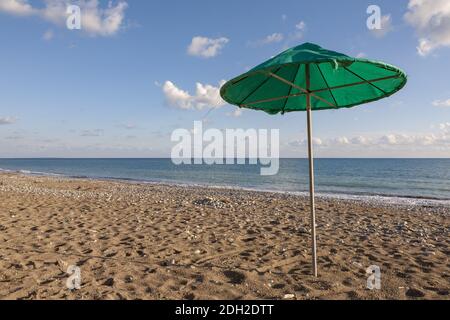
(414, 293)
(189, 296)
(234, 277)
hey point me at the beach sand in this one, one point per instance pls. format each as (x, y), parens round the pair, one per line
(146, 241)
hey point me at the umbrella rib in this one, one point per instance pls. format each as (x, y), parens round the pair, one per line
(290, 90)
(239, 80)
(366, 81)
(302, 89)
(257, 88)
(326, 83)
(273, 99)
(356, 83)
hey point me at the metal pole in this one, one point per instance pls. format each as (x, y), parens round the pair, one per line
(311, 175)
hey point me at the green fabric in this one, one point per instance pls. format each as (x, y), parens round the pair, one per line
(328, 69)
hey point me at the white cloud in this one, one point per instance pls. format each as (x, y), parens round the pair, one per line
(206, 96)
(386, 27)
(206, 47)
(7, 120)
(274, 37)
(16, 7)
(431, 19)
(297, 34)
(317, 141)
(300, 26)
(441, 103)
(303, 142)
(95, 21)
(342, 140)
(271, 38)
(389, 139)
(177, 97)
(295, 143)
(436, 139)
(445, 127)
(359, 140)
(104, 22)
(414, 140)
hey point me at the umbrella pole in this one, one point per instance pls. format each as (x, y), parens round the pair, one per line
(311, 175)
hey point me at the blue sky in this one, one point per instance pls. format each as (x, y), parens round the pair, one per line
(119, 86)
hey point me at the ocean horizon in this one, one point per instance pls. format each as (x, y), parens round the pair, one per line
(410, 179)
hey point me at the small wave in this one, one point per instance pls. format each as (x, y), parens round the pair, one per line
(38, 173)
(386, 199)
(375, 199)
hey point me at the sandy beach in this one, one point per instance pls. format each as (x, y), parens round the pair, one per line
(144, 241)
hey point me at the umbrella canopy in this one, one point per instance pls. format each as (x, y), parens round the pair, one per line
(336, 81)
(307, 78)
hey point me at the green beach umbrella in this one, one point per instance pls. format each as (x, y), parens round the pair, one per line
(310, 78)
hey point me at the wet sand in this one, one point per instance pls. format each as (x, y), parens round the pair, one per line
(141, 241)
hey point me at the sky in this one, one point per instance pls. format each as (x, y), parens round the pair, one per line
(138, 70)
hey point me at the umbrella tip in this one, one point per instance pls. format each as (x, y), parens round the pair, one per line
(310, 44)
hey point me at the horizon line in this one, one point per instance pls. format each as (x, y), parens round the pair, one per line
(168, 158)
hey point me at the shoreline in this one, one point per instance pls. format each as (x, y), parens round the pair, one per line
(374, 199)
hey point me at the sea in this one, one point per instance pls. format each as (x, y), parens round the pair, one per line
(418, 181)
